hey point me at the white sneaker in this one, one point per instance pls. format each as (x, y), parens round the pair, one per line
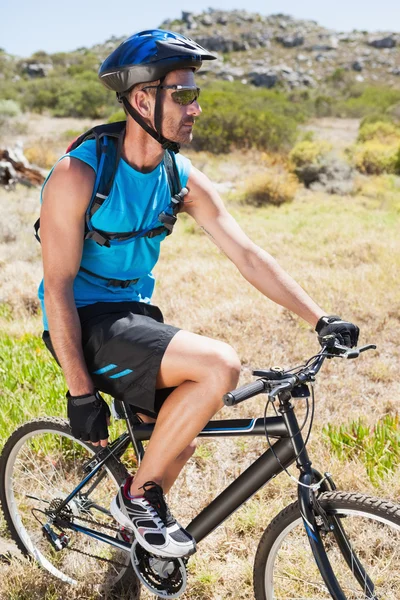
(149, 518)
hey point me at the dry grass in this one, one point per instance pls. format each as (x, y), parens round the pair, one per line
(274, 187)
(345, 252)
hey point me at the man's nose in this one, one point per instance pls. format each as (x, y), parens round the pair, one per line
(194, 109)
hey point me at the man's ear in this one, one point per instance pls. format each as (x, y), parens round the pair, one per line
(142, 102)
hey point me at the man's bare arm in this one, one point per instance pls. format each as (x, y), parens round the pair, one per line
(255, 264)
(62, 222)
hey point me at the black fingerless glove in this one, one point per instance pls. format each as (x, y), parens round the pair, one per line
(346, 333)
(88, 417)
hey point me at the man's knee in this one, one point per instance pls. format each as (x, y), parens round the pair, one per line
(225, 364)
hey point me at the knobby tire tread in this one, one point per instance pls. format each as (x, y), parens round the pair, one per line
(337, 499)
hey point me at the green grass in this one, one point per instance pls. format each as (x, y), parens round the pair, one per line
(377, 447)
(31, 383)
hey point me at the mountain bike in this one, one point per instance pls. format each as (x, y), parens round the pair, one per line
(56, 491)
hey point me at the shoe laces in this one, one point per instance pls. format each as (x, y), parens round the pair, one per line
(154, 495)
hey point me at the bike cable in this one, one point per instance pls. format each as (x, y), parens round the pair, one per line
(314, 486)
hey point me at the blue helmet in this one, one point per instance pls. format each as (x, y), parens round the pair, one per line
(150, 55)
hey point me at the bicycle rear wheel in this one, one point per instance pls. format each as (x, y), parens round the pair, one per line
(40, 466)
(285, 569)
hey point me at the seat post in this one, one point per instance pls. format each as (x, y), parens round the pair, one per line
(137, 445)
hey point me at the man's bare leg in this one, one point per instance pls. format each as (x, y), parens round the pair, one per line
(202, 370)
(177, 465)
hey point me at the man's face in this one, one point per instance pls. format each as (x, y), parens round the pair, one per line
(177, 120)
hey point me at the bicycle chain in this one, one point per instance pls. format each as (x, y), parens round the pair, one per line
(92, 522)
(108, 560)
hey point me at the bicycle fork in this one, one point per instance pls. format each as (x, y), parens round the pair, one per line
(311, 510)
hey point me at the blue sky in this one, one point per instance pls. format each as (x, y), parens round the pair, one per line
(27, 26)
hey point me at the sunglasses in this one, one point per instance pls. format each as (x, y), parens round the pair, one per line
(183, 94)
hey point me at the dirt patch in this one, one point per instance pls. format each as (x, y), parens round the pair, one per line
(341, 133)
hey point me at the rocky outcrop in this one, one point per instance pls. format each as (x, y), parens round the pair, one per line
(37, 69)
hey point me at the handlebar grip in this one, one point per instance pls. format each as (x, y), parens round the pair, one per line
(244, 392)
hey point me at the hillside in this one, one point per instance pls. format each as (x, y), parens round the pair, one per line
(269, 51)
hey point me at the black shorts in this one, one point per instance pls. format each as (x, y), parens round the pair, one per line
(123, 344)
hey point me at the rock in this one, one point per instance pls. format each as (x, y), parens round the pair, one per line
(330, 175)
(266, 79)
(206, 20)
(357, 66)
(290, 41)
(320, 48)
(386, 42)
(188, 19)
(359, 78)
(37, 69)
(219, 43)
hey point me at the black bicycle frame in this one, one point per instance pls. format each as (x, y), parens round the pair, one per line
(288, 448)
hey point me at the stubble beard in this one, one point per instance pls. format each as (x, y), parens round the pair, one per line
(178, 133)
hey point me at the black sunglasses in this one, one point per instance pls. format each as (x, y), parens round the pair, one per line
(183, 95)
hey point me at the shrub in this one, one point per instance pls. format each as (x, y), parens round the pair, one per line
(374, 157)
(274, 187)
(307, 152)
(119, 115)
(363, 101)
(239, 116)
(316, 167)
(41, 156)
(383, 131)
(9, 108)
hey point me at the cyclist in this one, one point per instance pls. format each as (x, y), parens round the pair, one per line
(109, 337)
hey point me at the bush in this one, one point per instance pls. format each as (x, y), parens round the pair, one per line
(239, 116)
(119, 115)
(307, 152)
(41, 156)
(383, 131)
(368, 100)
(375, 157)
(9, 108)
(274, 188)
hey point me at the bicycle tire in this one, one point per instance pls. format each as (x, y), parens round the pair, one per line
(284, 568)
(120, 581)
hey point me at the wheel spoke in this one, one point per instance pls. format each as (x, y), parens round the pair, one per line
(43, 467)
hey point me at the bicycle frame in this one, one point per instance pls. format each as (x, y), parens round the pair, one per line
(288, 448)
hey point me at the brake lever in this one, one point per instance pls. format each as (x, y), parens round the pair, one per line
(355, 353)
(285, 385)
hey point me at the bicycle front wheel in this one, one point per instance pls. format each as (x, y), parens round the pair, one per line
(40, 466)
(285, 569)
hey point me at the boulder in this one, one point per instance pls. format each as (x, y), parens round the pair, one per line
(357, 66)
(386, 42)
(266, 79)
(290, 41)
(37, 69)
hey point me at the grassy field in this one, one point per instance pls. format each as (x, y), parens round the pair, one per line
(345, 251)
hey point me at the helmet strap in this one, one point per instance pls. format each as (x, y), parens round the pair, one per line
(158, 108)
(155, 133)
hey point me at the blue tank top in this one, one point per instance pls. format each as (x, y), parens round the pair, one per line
(135, 201)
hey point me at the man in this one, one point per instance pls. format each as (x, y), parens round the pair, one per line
(110, 337)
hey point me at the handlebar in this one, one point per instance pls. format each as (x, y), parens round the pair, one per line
(276, 381)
